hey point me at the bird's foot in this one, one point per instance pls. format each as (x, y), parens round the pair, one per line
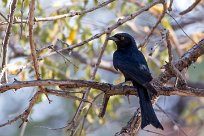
(125, 83)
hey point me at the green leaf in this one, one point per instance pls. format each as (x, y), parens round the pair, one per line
(5, 2)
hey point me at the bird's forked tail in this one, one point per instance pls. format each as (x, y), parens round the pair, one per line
(147, 111)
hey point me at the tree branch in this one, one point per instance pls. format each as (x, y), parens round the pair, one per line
(108, 89)
(6, 39)
(1, 14)
(32, 46)
(184, 62)
(25, 114)
(190, 8)
(155, 26)
(53, 18)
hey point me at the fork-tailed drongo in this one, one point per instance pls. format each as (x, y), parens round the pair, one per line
(131, 62)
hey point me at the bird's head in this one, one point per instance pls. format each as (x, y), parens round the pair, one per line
(123, 40)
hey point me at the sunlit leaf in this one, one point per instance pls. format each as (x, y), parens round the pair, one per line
(166, 23)
(72, 36)
(4, 2)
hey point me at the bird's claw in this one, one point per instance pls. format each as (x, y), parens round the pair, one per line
(124, 83)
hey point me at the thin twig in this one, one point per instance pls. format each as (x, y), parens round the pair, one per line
(100, 56)
(28, 110)
(1, 14)
(190, 7)
(166, 34)
(31, 41)
(189, 21)
(7, 37)
(25, 114)
(51, 47)
(155, 26)
(63, 127)
(71, 14)
(181, 28)
(21, 25)
(170, 64)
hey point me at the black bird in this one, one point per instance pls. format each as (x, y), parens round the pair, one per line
(131, 62)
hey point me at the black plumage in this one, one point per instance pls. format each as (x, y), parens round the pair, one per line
(131, 62)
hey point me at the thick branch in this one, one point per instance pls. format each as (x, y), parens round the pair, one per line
(185, 61)
(107, 88)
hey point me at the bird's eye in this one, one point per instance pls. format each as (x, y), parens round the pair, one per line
(122, 38)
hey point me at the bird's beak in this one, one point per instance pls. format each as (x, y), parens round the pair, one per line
(113, 38)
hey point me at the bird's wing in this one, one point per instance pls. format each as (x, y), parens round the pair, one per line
(115, 64)
(132, 69)
(115, 60)
(136, 73)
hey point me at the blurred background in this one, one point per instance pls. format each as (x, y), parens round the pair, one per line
(180, 115)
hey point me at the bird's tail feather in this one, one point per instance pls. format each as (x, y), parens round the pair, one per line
(147, 111)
